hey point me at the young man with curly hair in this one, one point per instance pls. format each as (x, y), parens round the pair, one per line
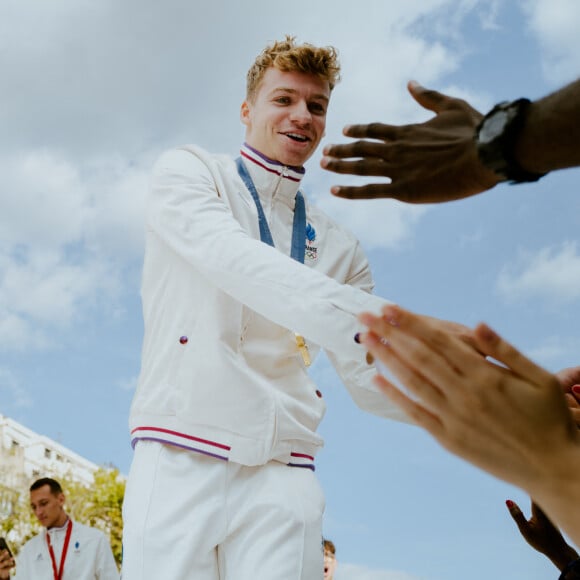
(243, 283)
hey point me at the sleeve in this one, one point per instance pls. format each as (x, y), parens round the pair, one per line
(106, 565)
(357, 374)
(186, 212)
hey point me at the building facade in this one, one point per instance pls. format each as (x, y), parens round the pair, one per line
(26, 456)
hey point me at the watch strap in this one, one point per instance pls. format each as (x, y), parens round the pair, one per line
(498, 154)
(571, 571)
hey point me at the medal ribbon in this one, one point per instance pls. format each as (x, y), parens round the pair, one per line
(58, 575)
(298, 227)
(298, 249)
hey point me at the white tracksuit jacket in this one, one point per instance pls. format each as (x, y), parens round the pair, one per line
(89, 556)
(221, 372)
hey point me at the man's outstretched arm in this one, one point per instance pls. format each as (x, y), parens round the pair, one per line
(439, 160)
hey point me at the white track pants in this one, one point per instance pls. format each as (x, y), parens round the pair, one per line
(191, 517)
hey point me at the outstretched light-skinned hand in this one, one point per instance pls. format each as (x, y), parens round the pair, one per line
(512, 422)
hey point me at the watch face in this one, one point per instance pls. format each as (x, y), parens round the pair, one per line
(493, 126)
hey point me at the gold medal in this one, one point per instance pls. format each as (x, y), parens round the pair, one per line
(301, 344)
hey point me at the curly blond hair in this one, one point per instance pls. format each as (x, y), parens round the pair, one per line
(288, 56)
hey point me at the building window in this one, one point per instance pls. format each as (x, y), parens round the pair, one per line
(15, 444)
(47, 453)
(59, 457)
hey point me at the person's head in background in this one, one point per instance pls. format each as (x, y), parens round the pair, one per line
(329, 560)
(47, 502)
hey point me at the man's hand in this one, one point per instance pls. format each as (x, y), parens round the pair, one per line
(542, 535)
(6, 563)
(427, 162)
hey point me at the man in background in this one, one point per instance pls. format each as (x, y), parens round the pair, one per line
(65, 549)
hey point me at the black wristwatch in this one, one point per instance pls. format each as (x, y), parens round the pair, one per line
(496, 137)
(571, 571)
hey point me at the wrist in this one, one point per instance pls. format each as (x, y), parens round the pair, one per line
(526, 145)
(566, 557)
(571, 571)
(553, 481)
(497, 138)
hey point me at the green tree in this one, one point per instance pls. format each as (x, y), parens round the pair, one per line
(102, 507)
(17, 522)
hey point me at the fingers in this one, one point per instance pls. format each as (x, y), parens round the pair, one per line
(414, 382)
(370, 166)
(430, 359)
(369, 191)
(373, 153)
(493, 345)
(517, 516)
(397, 189)
(575, 395)
(569, 377)
(6, 562)
(439, 342)
(372, 131)
(572, 398)
(414, 411)
(539, 515)
(355, 149)
(427, 98)
(437, 102)
(422, 356)
(574, 407)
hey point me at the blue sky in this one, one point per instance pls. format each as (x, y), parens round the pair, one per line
(93, 91)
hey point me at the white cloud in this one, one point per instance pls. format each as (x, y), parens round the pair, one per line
(44, 293)
(52, 201)
(45, 201)
(68, 232)
(374, 88)
(480, 101)
(47, 289)
(118, 191)
(552, 273)
(556, 352)
(355, 572)
(17, 333)
(555, 23)
(16, 393)
(383, 223)
(489, 15)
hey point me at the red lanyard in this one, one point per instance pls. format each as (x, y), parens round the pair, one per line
(58, 575)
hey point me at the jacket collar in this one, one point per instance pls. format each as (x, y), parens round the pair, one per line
(271, 178)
